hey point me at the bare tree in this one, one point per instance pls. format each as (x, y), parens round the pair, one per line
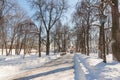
(27, 29)
(85, 9)
(13, 21)
(56, 35)
(5, 7)
(49, 11)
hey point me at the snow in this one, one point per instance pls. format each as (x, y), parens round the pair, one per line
(58, 69)
(11, 65)
(79, 74)
(86, 68)
(94, 68)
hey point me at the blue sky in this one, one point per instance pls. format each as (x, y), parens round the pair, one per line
(71, 3)
(25, 5)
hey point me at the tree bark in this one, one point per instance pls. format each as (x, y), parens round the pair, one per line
(87, 41)
(115, 31)
(40, 41)
(48, 43)
(100, 44)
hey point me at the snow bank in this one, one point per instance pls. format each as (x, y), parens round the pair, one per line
(79, 74)
(97, 70)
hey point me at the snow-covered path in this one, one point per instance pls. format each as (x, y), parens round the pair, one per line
(93, 68)
(59, 69)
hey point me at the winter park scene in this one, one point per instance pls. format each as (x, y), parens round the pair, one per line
(59, 40)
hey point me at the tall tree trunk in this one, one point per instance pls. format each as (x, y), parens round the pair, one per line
(48, 43)
(84, 43)
(87, 40)
(102, 54)
(115, 31)
(102, 34)
(64, 43)
(100, 43)
(103, 44)
(25, 45)
(40, 41)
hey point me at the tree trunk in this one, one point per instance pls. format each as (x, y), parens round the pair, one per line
(40, 41)
(10, 49)
(6, 48)
(100, 43)
(48, 43)
(102, 34)
(84, 44)
(17, 46)
(25, 45)
(115, 31)
(21, 46)
(64, 43)
(87, 41)
(39, 46)
(103, 44)
(102, 54)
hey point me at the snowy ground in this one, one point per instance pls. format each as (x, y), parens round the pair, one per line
(95, 69)
(11, 65)
(58, 69)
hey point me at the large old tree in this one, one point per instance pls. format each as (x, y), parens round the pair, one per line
(115, 30)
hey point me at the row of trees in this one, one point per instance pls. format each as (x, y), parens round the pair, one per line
(93, 31)
(16, 28)
(19, 32)
(93, 17)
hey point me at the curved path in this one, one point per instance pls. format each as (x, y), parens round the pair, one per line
(59, 69)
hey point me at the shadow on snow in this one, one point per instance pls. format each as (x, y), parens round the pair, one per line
(45, 73)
